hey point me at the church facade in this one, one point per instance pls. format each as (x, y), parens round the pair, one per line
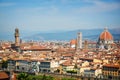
(105, 40)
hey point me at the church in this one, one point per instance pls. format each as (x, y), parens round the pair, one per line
(105, 40)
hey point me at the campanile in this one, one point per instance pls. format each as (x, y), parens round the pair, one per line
(17, 41)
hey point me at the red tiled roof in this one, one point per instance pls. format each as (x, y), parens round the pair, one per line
(67, 63)
(106, 35)
(72, 42)
(111, 65)
(34, 48)
(68, 54)
(3, 75)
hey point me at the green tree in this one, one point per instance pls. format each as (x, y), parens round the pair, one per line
(72, 72)
(4, 64)
(68, 79)
(44, 77)
(36, 77)
(50, 78)
(23, 76)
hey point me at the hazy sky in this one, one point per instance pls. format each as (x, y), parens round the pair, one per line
(58, 15)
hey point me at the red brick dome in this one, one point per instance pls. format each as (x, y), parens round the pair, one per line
(106, 35)
(72, 42)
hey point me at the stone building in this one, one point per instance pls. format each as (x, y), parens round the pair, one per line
(16, 45)
(105, 40)
(111, 71)
(17, 41)
(79, 41)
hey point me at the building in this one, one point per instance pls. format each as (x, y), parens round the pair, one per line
(73, 43)
(89, 45)
(22, 65)
(79, 41)
(17, 41)
(85, 44)
(34, 66)
(89, 73)
(80, 44)
(4, 76)
(111, 71)
(16, 45)
(11, 65)
(48, 66)
(105, 40)
(19, 65)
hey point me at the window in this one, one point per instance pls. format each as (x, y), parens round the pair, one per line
(22, 68)
(17, 67)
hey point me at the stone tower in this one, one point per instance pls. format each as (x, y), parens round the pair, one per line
(17, 42)
(79, 40)
(85, 44)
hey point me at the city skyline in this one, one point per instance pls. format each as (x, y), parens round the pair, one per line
(60, 39)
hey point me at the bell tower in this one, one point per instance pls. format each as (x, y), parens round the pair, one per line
(17, 42)
(79, 40)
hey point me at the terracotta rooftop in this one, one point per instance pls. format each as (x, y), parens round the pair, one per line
(111, 65)
(68, 55)
(67, 63)
(3, 75)
(73, 42)
(106, 35)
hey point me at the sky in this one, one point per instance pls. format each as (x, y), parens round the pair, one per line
(58, 15)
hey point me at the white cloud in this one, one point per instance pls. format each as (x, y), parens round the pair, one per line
(38, 11)
(98, 6)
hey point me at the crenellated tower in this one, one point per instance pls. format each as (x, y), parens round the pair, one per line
(17, 41)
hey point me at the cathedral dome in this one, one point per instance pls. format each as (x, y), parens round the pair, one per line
(106, 35)
(72, 42)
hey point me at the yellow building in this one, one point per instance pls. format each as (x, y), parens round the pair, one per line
(111, 71)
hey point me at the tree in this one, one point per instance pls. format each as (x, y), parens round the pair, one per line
(44, 77)
(4, 64)
(50, 78)
(25, 76)
(72, 72)
(22, 76)
(68, 79)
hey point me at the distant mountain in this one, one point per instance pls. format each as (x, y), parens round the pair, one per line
(89, 34)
